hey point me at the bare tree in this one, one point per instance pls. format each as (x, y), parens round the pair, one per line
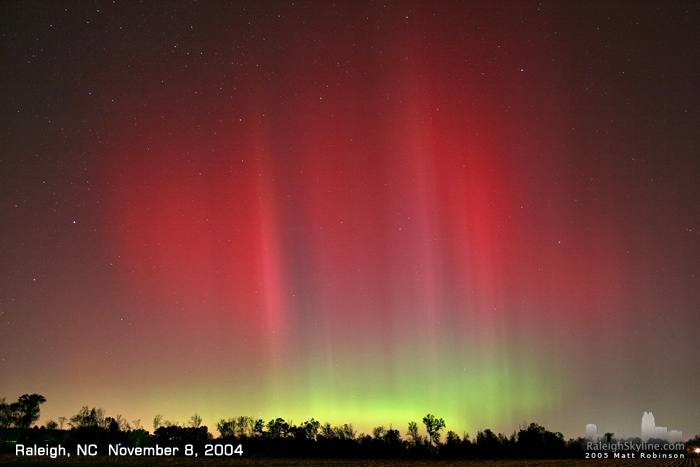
(61, 421)
(123, 424)
(195, 421)
(416, 439)
(157, 421)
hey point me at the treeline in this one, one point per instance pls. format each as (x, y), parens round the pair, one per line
(312, 439)
(279, 438)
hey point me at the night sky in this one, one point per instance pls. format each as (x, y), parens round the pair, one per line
(361, 212)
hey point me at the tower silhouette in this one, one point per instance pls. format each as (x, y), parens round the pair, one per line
(648, 426)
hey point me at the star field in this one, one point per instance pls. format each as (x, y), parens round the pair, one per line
(357, 211)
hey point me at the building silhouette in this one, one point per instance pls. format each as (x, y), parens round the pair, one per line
(592, 431)
(649, 431)
(661, 433)
(648, 426)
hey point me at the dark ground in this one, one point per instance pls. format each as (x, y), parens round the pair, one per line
(100, 461)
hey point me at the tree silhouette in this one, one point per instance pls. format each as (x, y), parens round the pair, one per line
(61, 421)
(487, 442)
(347, 430)
(195, 421)
(157, 421)
(245, 426)
(258, 427)
(433, 425)
(123, 424)
(227, 428)
(413, 433)
(89, 418)
(378, 432)
(278, 428)
(112, 424)
(452, 438)
(6, 419)
(327, 431)
(27, 409)
(536, 441)
(310, 428)
(392, 438)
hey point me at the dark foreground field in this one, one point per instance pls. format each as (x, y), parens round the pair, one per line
(182, 461)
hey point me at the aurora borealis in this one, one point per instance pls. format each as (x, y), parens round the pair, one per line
(361, 212)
